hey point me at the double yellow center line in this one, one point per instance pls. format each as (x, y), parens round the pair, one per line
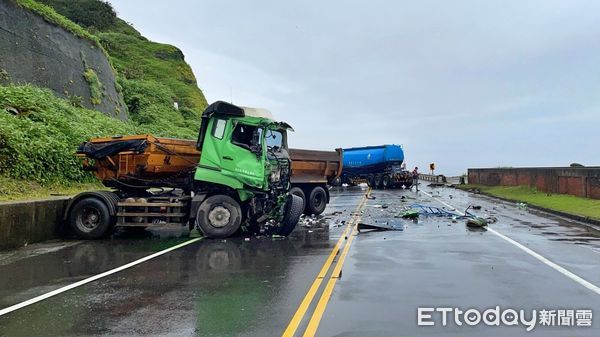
(313, 324)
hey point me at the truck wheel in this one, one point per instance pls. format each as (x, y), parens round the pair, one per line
(377, 183)
(90, 218)
(317, 201)
(299, 192)
(293, 211)
(219, 216)
(385, 182)
(371, 181)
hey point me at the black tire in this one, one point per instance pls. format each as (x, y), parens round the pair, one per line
(371, 181)
(336, 181)
(377, 182)
(385, 182)
(219, 216)
(293, 211)
(90, 218)
(299, 192)
(317, 201)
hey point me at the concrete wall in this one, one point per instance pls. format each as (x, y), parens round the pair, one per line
(580, 181)
(41, 53)
(26, 222)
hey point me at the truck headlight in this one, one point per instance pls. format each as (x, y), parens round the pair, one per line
(276, 175)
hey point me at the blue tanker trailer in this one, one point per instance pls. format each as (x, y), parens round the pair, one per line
(380, 166)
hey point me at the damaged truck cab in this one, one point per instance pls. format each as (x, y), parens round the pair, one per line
(244, 150)
(235, 176)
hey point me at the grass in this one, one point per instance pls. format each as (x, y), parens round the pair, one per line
(559, 202)
(17, 189)
(136, 58)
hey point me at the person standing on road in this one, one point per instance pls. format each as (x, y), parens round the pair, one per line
(415, 178)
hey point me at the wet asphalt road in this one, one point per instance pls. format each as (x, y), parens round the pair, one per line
(236, 287)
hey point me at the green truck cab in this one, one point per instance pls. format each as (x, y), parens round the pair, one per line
(236, 176)
(244, 151)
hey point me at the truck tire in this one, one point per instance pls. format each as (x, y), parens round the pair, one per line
(90, 218)
(371, 181)
(219, 216)
(299, 192)
(385, 182)
(317, 201)
(377, 183)
(293, 211)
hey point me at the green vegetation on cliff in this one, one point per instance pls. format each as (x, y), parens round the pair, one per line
(135, 58)
(39, 132)
(52, 16)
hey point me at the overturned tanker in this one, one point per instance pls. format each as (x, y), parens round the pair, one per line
(236, 176)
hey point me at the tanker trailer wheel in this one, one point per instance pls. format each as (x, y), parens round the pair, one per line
(90, 218)
(377, 182)
(299, 192)
(371, 181)
(219, 216)
(385, 182)
(317, 201)
(293, 211)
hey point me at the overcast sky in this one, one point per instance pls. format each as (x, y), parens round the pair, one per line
(459, 83)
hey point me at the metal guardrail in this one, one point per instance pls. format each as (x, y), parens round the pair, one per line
(440, 178)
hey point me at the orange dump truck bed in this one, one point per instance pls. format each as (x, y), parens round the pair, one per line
(148, 161)
(140, 160)
(310, 166)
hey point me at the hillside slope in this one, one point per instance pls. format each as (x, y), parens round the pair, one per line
(36, 50)
(135, 58)
(39, 131)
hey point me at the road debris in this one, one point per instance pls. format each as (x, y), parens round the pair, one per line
(522, 206)
(432, 210)
(385, 226)
(476, 222)
(410, 214)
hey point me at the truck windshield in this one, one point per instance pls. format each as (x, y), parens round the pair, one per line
(274, 140)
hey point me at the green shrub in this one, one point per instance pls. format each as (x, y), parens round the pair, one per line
(150, 105)
(96, 87)
(87, 13)
(140, 59)
(38, 141)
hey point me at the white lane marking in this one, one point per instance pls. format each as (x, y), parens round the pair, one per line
(93, 278)
(541, 258)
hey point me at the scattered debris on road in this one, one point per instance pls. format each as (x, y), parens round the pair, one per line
(410, 214)
(385, 226)
(476, 222)
(522, 206)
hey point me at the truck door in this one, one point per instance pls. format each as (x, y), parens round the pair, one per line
(242, 157)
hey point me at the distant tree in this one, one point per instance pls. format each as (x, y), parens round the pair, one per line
(87, 13)
(576, 165)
